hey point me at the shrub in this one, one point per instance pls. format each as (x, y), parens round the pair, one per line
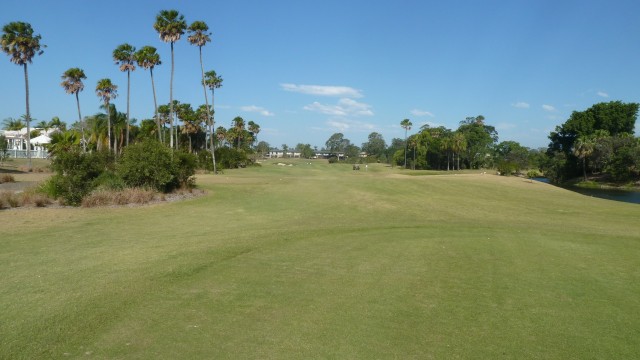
(185, 165)
(227, 158)
(333, 160)
(109, 180)
(506, 168)
(75, 174)
(147, 164)
(204, 160)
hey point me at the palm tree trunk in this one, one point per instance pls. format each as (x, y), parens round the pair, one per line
(84, 142)
(128, 97)
(155, 105)
(213, 143)
(171, 100)
(106, 104)
(28, 115)
(584, 167)
(405, 148)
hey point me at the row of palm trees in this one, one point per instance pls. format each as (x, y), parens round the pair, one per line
(22, 45)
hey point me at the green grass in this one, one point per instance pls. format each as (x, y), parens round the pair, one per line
(320, 261)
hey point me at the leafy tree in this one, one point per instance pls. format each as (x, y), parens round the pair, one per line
(170, 25)
(305, 150)
(406, 125)
(337, 143)
(125, 56)
(375, 146)
(511, 157)
(107, 91)
(21, 45)
(479, 140)
(262, 147)
(148, 58)
(72, 84)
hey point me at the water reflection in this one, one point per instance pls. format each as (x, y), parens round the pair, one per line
(609, 194)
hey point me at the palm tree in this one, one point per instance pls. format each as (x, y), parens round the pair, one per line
(458, 145)
(445, 145)
(254, 129)
(406, 125)
(238, 126)
(57, 123)
(13, 124)
(21, 45)
(170, 25)
(124, 55)
(583, 148)
(221, 135)
(107, 91)
(148, 58)
(199, 36)
(72, 84)
(213, 81)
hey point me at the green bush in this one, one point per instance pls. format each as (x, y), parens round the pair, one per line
(228, 158)
(204, 160)
(148, 164)
(75, 174)
(185, 167)
(506, 168)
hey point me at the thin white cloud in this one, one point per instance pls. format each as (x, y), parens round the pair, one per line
(257, 109)
(344, 125)
(548, 108)
(505, 126)
(418, 112)
(322, 90)
(344, 107)
(603, 94)
(521, 105)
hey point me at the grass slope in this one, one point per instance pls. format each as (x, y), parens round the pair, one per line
(319, 261)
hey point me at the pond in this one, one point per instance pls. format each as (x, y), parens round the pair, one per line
(609, 194)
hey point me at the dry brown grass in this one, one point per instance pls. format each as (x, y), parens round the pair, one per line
(136, 196)
(7, 178)
(10, 199)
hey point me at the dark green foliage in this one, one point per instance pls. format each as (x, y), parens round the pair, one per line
(507, 168)
(333, 160)
(230, 158)
(75, 174)
(148, 164)
(204, 160)
(185, 166)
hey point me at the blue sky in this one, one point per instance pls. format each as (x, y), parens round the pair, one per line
(304, 70)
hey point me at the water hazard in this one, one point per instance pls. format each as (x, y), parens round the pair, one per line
(609, 194)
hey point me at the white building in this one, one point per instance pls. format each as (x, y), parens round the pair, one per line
(17, 142)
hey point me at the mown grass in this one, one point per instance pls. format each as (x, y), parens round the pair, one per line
(319, 261)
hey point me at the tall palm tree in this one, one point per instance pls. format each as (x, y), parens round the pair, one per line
(445, 145)
(199, 36)
(107, 91)
(170, 25)
(406, 125)
(21, 45)
(148, 58)
(583, 148)
(72, 84)
(212, 81)
(125, 55)
(238, 127)
(254, 129)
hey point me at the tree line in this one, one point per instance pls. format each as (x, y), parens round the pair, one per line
(178, 125)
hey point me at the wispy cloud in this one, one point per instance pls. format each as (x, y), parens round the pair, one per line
(520, 105)
(602, 94)
(322, 90)
(344, 107)
(418, 112)
(505, 126)
(344, 125)
(548, 108)
(257, 109)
